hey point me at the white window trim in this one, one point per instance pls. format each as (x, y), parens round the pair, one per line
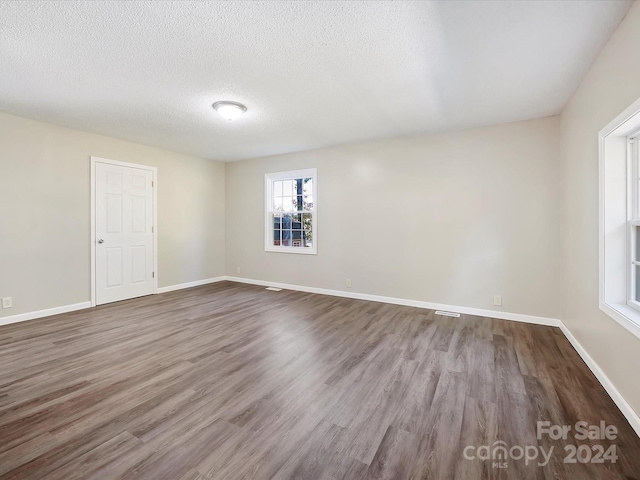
(616, 211)
(269, 178)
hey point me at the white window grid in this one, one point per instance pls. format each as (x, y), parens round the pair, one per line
(282, 201)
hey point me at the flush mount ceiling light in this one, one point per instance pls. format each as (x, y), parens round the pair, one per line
(229, 110)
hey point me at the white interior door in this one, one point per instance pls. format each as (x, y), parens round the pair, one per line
(124, 236)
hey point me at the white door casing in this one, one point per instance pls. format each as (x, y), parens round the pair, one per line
(123, 233)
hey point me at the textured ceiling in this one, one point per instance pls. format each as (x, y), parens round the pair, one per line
(312, 73)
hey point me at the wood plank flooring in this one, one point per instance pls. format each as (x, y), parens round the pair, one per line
(230, 381)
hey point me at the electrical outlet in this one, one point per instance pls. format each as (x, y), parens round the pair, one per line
(7, 302)
(238, 270)
(348, 282)
(497, 300)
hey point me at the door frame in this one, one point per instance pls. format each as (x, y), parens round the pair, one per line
(154, 171)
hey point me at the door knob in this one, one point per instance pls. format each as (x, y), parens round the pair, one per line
(101, 241)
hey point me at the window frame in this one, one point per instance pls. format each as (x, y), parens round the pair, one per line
(619, 192)
(269, 179)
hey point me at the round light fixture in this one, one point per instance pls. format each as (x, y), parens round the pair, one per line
(229, 110)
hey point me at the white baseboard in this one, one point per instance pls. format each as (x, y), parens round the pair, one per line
(44, 313)
(626, 409)
(197, 283)
(518, 317)
(79, 306)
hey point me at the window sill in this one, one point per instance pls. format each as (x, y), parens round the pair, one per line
(294, 250)
(626, 316)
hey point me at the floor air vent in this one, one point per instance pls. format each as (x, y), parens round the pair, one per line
(447, 314)
(273, 289)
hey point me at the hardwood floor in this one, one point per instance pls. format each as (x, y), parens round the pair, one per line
(230, 381)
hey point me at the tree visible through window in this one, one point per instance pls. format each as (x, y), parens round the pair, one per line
(290, 211)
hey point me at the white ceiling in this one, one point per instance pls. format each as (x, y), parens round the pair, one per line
(312, 73)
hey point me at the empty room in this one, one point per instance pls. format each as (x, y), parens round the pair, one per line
(320, 240)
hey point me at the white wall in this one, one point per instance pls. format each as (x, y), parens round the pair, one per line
(612, 84)
(45, 213)
(450, 218)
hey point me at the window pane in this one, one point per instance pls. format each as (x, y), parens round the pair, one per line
(287, 188)
(277, 232)
(277, 204)
(277, 188)
(298, 186)
(286, 238)
(307, 226)
(308, 202)
(297, 238)
(636, 272)
(285, 232)
(636, 231)
(298, 199)
(288, 204)
(308, 186)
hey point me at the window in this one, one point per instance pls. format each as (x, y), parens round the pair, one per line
(633, 228)
(619, 272)
(290, 205)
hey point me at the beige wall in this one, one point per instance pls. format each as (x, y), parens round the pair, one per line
(611, 86)
(45, 214)
(450, 218)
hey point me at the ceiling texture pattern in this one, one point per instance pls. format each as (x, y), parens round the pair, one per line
(312, 73)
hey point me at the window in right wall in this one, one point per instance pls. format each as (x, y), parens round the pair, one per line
(633, 227)
(619, 272)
